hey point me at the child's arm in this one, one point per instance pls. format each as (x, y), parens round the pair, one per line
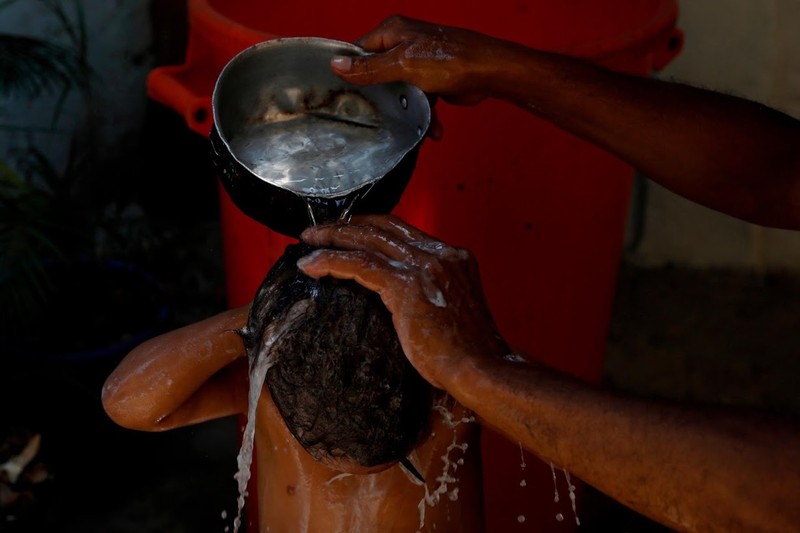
(186, 376)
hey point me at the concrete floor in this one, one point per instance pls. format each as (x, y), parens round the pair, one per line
(712, 337)
(716, 337)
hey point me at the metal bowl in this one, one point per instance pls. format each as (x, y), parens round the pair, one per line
(296, 145)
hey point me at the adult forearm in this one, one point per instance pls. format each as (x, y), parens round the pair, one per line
(727, 153)
(730, 154)
(691, 470)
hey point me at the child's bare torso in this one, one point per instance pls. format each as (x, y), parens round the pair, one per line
(298, 494)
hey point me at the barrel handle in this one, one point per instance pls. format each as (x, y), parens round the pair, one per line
(668, 50)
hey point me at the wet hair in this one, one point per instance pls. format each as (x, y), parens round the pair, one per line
(339, 379)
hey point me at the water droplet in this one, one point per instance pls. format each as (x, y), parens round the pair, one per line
(555, 483)
(560, 517)
(521, 518)
(404, 101)
(523, 483)
(571, 489)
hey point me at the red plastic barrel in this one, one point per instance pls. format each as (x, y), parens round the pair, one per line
(543, 211)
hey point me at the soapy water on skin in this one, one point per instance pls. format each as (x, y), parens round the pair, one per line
(427, 51)
(441, 249)
(431, 292)
(449, 466)
(337, 477)
(434, 295)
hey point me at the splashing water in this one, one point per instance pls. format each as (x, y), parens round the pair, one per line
(321, 210)
(259, 364)
(555, 483)
(449, 418)
(523, 483)
(571, 489)
(446, 479)
(348, 208)
(243, 460)
(449, 468)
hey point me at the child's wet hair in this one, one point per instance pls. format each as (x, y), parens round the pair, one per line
(340, 379)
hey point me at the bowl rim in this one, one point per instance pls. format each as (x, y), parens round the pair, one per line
(321, 42)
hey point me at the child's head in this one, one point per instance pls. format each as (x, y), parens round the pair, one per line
(340, 379)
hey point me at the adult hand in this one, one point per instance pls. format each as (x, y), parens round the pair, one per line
(452, 63)
(432, 290)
